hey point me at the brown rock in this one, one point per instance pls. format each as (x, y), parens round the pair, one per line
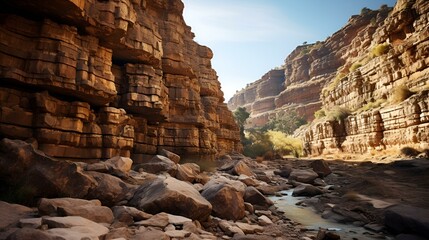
(11, 214)
(304, 176)
(188, 172)
(253, 196)
(172, 156)
(158, 164)
(172, 196)
(120, 163)
(321, 167)
(227, 202)
(30, 234)
(306, 190)
(50, 206)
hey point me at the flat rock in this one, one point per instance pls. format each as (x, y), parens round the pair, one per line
(264, 220)
(407, 219)
(31, 234)
(99, 214)
(49, 206)
(30, 223)
(11, 214)
(306, 190)
(304, 176)
(150, 233)
(159, 220)
(74, 227)
(249, 181)
(249, 228)
(129, 215)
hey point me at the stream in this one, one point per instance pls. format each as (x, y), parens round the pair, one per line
(312, 221)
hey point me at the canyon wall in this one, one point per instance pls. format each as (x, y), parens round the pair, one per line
(91, 79)
(298, 83)
(360, 69)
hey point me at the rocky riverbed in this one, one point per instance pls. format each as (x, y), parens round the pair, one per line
(163, 198)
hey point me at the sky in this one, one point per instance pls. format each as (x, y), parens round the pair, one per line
(250, 37)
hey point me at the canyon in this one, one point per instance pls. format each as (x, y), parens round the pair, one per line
(89, 80)
(360, 69)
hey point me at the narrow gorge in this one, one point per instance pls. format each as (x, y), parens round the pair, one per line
(376, 68)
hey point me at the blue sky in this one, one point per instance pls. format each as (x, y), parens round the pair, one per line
(250, 37)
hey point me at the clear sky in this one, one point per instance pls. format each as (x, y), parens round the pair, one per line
(250, 37)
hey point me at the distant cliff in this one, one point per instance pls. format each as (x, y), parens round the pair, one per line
(94, 79)
(361, 68)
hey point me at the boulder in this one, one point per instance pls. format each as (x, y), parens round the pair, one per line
(30, 223)
(237, 167)
(150, 233)
(284, 171)
(122, 164)
(11, 214)
(172, 196)
(249, 181)
(321, 167)
(264, 220)
(74, 227)
(109, 189)
(129, 215)
(229, 229)
(158, 164)
(170, 155)
(407, 219)
(227, 202)
(253, 196)
(45, 176)
(304, 176)
(91, 210)
(306, 190)
(216, 179)
(188, 172)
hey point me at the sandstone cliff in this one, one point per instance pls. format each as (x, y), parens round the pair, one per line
(359, 68)
(92, 79)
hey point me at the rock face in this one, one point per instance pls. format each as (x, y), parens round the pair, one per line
(95, 79)
(370, 67)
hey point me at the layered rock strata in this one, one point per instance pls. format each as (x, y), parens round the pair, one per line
(398, 120)
(298, 84)
(94, 79)
(360, 68)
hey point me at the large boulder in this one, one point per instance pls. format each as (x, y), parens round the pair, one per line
(284, 171)
(91, 210)
(253, 196)
(109, 189)
(321, 167)
(158, 164)
(44, 176)
(217, 179)
(188, 172)
(304, 176)
(172, 196)
(30, 234)
(407, 219)
(227, 202)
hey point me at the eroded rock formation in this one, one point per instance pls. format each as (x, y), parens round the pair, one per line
(359, 68)
(93, 79)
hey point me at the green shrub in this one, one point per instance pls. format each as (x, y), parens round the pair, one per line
(400, 93)
(355, 66)
(258, 149)
(380, 49)
(320, 113)
(284, 144)
(333, 84)
(287, 122)
(337, 114)
(372, 105)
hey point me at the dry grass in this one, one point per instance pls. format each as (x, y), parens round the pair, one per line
(333, 84)
(372, 105)
(400, 93)
(380, 50)
(355, 66)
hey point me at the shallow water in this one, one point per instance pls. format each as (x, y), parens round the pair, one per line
(307, 217)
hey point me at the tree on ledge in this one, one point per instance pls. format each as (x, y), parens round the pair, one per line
(241, 115)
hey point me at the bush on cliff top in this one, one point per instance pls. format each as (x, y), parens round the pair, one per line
(337, 114)
(400, 93)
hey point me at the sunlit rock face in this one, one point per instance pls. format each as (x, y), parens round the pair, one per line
(93, 79)
(351, 69)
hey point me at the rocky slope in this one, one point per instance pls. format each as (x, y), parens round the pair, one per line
(359, 68)
(93, 79)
